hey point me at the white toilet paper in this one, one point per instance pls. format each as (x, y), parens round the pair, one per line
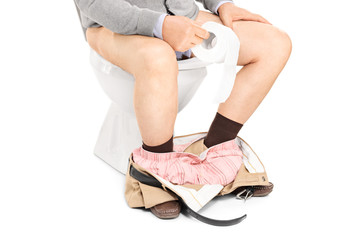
(221, 47)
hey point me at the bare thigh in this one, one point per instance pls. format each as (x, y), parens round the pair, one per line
(133, 53)
(257, 39)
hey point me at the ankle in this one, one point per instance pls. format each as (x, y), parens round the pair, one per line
(161, 148)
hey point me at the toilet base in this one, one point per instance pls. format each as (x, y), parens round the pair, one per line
(118, 137)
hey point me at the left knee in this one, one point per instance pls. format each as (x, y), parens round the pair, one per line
(278, 44)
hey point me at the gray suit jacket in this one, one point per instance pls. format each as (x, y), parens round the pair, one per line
(136, 16)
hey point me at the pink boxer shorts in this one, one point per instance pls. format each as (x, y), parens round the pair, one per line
(218, 164)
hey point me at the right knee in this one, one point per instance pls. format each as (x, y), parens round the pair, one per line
(157, 59)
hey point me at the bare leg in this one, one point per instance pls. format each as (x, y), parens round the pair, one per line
(264, 52)
(153, 64)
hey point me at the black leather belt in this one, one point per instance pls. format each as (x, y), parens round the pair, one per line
(151, 181)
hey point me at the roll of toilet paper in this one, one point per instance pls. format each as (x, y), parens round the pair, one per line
(221, 47)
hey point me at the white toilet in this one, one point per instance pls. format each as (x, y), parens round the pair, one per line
(120, 134)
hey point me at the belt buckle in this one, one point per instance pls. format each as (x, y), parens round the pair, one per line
(245, 194)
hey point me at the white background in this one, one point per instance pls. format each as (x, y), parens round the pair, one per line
(306, 132)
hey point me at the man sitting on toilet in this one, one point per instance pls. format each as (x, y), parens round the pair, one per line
(146, 38)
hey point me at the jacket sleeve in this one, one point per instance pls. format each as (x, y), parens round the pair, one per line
(120, 16)
(212, 4)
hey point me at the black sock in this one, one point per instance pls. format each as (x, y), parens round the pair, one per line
(222, 129)
(164, 147)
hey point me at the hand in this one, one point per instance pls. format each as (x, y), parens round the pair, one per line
(182, 33)
(229, 12)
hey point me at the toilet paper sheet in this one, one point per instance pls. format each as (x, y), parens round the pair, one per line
(221, 47)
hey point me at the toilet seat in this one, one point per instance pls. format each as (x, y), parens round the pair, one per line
(191, 63)
(185, 64)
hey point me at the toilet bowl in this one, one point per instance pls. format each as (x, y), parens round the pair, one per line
(120, 134)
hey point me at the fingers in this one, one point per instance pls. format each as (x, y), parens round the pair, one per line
(192, 45)
(201, 32)
(265, 21)
(252, 17)
(261, 19)
(196, 40)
